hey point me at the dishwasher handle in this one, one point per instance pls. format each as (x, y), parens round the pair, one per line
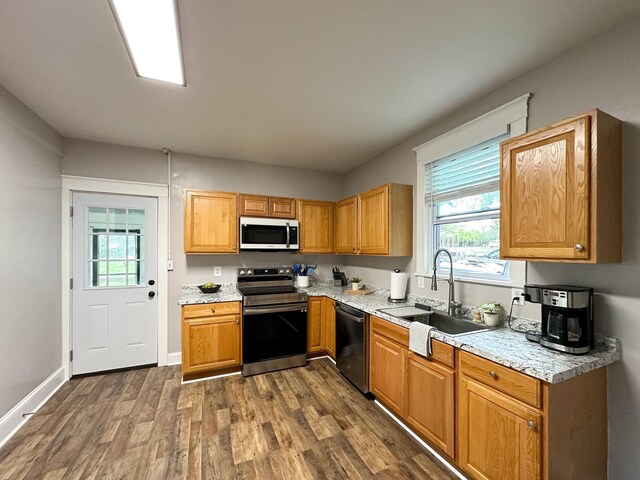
(349, 315)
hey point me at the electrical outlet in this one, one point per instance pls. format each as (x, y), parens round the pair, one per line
(217, 271)
(170, 265)
(420, 282)
(518, 292)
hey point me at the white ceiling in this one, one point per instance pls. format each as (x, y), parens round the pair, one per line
(315, 84)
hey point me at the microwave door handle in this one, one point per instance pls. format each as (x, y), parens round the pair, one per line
(288, 236)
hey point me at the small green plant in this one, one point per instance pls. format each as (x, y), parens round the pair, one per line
(355, 280)
(492, 308)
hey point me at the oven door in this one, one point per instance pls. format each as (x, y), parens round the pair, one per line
(273, 337)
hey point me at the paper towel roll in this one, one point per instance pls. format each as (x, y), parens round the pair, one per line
(398, 287)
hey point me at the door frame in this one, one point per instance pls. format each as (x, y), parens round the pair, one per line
(71, 184)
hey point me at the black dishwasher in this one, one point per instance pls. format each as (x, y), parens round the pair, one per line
(352, 347)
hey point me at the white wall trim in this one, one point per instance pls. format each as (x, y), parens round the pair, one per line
(509, 118)
(13, 420)
(98, 185)
(174, 358)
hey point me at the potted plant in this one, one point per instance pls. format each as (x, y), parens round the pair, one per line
(355, 283)
(491, 313)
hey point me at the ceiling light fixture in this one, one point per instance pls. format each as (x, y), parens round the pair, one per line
(151, 33)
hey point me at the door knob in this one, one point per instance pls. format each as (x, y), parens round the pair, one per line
(152, 282)
(152, 294)
(578, 247)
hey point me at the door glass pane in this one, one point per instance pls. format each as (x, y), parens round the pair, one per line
(115, 250)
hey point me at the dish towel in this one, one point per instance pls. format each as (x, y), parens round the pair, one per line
(420, 338)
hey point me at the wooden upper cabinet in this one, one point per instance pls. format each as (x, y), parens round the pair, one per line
(316, 226)
(263, 206)
(253, 205)
(282, 207)
(560, 192)
(376, 222)
(210, 222)
(347, 225)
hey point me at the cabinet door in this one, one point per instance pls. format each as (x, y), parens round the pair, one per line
(314, 325)
(282, 207)
(210, 343)
(347, 225)
(388, 370)
(329, 326)
(374, 221)
(430, 401)
(253, 205)
(210, 222)
(316, 226)
(545, 193)
(498, 437)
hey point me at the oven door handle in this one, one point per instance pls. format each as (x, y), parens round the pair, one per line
(283, 308)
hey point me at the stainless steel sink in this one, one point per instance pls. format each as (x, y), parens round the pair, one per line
(453, 326)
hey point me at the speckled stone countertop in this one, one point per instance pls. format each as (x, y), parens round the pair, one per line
(191, 295)
(500, 344)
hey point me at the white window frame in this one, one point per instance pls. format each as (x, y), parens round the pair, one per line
(510, 118)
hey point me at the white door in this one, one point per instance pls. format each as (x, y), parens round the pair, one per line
(114, 256)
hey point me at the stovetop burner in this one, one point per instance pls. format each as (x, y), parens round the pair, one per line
(268, 286)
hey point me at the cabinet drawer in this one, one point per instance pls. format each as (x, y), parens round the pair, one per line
(442, 353)
(390, 330)
(210, 309)
(515, 384)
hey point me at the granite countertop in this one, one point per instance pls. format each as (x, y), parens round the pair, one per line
(500, 344)
(191, 295)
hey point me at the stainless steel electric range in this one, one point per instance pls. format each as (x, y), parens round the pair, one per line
(274, 322)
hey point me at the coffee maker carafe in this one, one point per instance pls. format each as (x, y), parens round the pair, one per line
(567, 317)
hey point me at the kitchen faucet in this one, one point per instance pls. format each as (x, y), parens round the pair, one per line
(453, 306)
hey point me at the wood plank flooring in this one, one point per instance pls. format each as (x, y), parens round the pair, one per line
(143, 424)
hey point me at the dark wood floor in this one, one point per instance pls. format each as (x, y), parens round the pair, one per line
(294, 424)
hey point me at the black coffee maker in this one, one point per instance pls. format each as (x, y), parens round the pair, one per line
(567, 317)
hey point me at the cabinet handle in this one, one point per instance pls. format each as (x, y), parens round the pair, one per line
(237, 321)
(531, 424)
(493, 375)
(578, 247)
(234, 247)
(213, 310)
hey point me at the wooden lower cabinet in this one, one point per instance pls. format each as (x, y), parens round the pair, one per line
(329, 326)
(499, 437)
(211, 337)
(388, 365)
(314, 325)
(430, 403)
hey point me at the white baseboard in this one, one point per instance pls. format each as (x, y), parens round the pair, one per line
(13, 420)
(174, 358)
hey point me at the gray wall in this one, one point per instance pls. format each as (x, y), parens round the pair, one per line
(30, 333)
(189, 171)
(603, 73)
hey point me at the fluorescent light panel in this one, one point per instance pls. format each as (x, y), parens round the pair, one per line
(152, 36)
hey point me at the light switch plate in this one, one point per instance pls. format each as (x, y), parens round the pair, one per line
(420, 282)
(170, 265)
(217, 271)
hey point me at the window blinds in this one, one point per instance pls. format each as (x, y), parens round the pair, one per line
(472, 171)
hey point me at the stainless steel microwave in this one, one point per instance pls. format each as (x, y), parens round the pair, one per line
(269, 234)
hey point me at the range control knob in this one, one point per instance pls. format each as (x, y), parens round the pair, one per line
(281, 271)
(242, 272)
(249, 272)
(287, 271)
